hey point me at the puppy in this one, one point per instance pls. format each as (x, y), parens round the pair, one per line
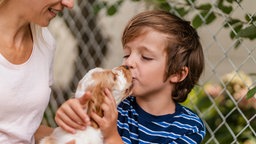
(117, 80)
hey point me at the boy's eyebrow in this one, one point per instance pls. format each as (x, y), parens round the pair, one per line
(147, 49)
(144, 48)
(126, 48)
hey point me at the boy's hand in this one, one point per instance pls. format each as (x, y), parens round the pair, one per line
(71, 115)
(108, 123)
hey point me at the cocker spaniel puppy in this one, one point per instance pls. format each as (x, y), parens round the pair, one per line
(117, 80)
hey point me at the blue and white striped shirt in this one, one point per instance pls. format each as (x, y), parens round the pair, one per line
(139, 127)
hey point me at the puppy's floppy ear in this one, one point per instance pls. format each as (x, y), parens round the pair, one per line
(102, 80)
(94, 105)
(178, 77)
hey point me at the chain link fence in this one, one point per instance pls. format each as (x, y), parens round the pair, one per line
(86, 40)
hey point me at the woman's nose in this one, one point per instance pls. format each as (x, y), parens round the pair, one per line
(67, 3)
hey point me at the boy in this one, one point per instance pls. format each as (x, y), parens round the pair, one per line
(166, 59)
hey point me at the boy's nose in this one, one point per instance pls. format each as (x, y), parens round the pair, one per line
(67, 3)
(129, 63)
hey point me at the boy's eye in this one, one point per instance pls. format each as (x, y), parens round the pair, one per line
(147, 58)
(126, 56)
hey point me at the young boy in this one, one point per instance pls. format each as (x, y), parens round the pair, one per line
(166, 59)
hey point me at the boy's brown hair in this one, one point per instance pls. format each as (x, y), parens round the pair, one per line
(183, 46)
(1, 2)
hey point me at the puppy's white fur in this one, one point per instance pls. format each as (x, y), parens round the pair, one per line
(117, 80)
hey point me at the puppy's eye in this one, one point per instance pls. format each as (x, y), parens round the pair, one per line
(126, 67)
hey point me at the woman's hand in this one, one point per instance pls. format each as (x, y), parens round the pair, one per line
(42, 132)
(71, 114)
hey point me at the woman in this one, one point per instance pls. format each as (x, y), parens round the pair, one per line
(26, 56)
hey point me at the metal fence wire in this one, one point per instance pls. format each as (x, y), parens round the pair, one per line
(219, 99)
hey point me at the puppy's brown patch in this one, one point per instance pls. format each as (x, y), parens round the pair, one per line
(105, 79)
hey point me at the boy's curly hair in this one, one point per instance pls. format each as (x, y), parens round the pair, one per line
(183, 46)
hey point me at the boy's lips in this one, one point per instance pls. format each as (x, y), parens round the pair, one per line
(134, 79)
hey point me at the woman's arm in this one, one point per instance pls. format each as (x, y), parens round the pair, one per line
(42, 132)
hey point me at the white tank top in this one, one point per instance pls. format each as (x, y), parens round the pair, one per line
(25, 90)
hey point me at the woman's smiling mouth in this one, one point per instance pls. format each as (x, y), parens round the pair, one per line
(54, 12)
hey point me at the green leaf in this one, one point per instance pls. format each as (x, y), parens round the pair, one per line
(190, 1)
(237, 28)
(247, 18)
(111, 10)
(210, 18)
(250, 19)
(251, 93)
(230, 1)
(232, 22)
(164, 6)
(248, 32)
(227, 9)
(205, 7)
(223, 8)
(181, 11)
(98, 6)
(197, 21)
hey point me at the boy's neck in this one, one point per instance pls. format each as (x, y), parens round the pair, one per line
(158, 106)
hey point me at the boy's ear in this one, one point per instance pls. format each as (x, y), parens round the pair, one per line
(178, 77)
